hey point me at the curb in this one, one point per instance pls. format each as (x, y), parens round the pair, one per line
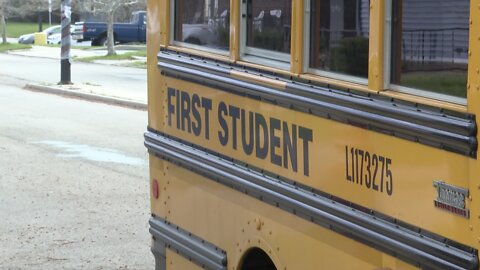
(87, 96)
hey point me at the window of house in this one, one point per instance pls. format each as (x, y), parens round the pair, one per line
(429, 48)
(203, 23)
(339, 37)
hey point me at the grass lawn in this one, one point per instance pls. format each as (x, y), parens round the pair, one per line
(72, 47)
(453, 83)
(137, 65)
(125, 56)
(13, 46)
(16, 29)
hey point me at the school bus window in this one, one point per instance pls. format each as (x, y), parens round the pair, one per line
(339, 36)
(269, 24)
(430, 45)
(205, 23)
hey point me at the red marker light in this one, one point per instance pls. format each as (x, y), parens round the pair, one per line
(155, 190)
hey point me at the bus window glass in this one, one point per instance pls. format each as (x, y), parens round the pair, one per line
(339, 33)
(268, 24)
(205, 23)
(430, 45)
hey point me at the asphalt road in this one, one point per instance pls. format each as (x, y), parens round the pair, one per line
(45, 70)
(74, 190)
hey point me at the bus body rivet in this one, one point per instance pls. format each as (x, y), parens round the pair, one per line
(258, 223)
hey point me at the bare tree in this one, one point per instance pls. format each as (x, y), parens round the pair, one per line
(20, 8)
(7, 8)
(3, 27)
(108, 8)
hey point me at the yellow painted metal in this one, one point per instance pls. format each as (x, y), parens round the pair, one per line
(231, 220)
(155, 26)
(163, 17)
(338, 83)
(297, 39)
(265, 68)
(234, 30)
(414, 166)
(177, 262)
(473, 103)
(424, 100)
(236, 223)
(210, 55)
(253, 78)
(376, 54)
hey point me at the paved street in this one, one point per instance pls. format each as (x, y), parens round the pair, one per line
(74, 175)
(125, 81)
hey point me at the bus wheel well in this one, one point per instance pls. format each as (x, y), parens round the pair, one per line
(256, 259)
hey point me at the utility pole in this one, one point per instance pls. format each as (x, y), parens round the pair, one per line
(66, 41)
(40, 29)
(50, 12)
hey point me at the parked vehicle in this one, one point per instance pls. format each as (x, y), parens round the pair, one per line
(30, 38)
(135, 31)
(57, 37)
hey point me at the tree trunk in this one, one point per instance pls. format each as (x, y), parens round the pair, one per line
(3, 28)
(110, 36)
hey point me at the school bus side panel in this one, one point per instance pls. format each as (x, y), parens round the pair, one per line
(396, 178)
(236, 223)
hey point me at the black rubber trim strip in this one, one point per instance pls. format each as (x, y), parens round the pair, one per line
(452, 133)
(385, 236)
(188, 245)
(462, 125)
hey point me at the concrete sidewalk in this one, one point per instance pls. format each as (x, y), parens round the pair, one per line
(105, 91)
(91, 93)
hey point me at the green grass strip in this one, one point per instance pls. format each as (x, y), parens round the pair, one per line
(4, 47)
(16, 29)
(125, 56)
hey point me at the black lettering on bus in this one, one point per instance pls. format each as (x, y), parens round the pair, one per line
(307, 136)
(356, 167)
(260, 123)
(290, 146)
(389, 176)
(235, 114)
(382, 172)
(368, 175)
(223, 136)
(197, 123)
(375, 164)
(247, 147)
(353, 164)
(170, 107)
(207, 105)
(361, 153)
(347, 174)
(185, 101)
(274, 142)
(177, 107)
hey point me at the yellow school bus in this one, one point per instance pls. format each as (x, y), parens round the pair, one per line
(314, 134)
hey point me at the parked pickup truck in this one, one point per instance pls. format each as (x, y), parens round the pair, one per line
(135, 31)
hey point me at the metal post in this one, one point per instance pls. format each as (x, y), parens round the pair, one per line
(50, 12)
(40, 21)
(66, 40)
